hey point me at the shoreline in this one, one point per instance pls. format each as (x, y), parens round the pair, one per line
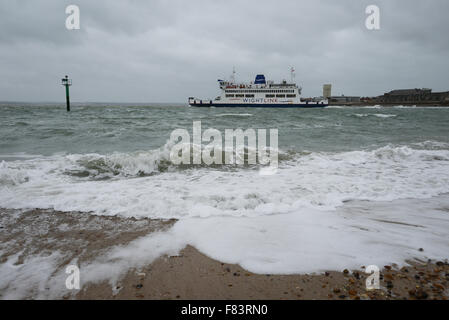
(83, 237)
(194, 276)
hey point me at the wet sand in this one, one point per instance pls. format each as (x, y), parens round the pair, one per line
(192, 275)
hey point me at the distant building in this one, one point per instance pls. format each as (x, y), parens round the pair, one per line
(414, 96)
(344, 100)
(327, 91)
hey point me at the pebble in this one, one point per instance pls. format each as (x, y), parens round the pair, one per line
(421, 294)
(418, 294)
(439, 286)
(390, 285)
(388, 277)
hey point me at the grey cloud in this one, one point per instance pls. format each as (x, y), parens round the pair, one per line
(168, 50)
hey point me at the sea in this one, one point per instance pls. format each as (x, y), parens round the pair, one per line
(355, 186)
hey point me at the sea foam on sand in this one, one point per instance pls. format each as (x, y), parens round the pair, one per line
(321, 211)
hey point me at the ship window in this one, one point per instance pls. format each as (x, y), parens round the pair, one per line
(269, 96)
(229, 96)
(239, 95)
(291, 95)
(249, 96)
(280, 96)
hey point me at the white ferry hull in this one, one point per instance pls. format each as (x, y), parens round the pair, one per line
(208, 103)
(259, 94)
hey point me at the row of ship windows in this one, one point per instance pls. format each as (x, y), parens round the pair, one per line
(266, 96)
(260, 91)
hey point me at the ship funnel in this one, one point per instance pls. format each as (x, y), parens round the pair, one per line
(260, 79)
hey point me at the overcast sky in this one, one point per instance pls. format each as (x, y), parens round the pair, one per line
(168, 50)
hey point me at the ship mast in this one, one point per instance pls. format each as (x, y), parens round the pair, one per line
(292, 75)
(233, 75)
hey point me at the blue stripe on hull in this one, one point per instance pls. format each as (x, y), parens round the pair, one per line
(243, 105)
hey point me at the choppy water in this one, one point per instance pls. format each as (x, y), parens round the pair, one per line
(355, 185)
(104, 129)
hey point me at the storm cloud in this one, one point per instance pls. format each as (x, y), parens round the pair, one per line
(165, 51)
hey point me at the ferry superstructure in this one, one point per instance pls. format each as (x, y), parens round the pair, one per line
(260, 93)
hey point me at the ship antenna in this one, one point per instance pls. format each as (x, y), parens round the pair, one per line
(233, 75)
(292, 75)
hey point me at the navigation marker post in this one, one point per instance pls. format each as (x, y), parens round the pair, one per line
(67, 83)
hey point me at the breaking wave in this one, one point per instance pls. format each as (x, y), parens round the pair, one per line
(323, 180)
(234, 115)
(378, 115)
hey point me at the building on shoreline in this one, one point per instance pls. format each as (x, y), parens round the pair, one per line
(327, 91)
(344, 100)
(414, 96)
(396, 97)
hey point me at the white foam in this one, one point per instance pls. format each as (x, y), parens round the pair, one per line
(317, 180)
(234, 115)
(379, 115)
(309, 240)
(297, 220)
(32, 278)
(303, 241)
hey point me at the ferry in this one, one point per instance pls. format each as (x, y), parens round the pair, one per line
(260, 94)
